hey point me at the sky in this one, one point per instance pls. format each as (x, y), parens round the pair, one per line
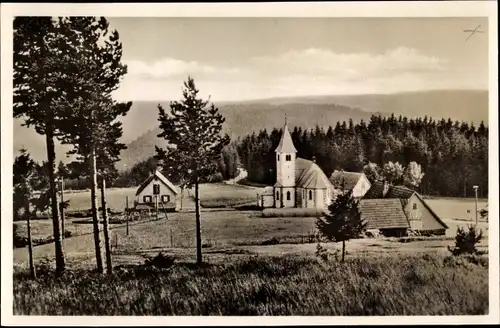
(254, 58)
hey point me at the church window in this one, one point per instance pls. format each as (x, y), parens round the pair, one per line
(277, 195)
(287, 195)
(310, 194)
(288, 158)
(278, 157)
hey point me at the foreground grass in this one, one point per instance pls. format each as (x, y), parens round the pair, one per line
(402, 285)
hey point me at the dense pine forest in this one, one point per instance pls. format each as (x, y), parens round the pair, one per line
(453, 155)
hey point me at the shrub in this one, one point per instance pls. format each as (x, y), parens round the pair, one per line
(465, 241)
(161, 261)
(291, 212)
(272, 241)
(18, 240)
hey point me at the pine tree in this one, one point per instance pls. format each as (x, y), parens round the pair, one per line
(90, 122)
(41, 59)
(193, 131)
(343, 220)
(24, 172)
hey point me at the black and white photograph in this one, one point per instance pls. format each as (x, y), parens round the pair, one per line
(323, 160)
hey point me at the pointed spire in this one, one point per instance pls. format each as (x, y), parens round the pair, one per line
(286, 143)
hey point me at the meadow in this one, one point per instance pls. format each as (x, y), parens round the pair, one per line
(254, 265)
(419, 284)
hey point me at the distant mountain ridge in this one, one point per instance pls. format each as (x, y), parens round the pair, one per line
(140, 126)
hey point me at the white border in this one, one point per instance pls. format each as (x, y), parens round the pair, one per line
(317, 9)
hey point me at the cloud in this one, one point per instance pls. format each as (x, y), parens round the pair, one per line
(350, 65)
(170, 67)
(311, 71)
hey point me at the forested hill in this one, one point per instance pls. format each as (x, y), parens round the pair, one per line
(140, 124)
(243, 119)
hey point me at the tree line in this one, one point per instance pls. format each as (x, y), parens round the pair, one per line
(452, 155)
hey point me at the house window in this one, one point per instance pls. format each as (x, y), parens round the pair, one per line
(156, 189)
(287, 195)
(165, 198)
(414, 206)
(277, 195)
(310, 194)
(147, 199)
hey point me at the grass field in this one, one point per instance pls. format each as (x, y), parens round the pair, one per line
(211, 195)
(287, 285)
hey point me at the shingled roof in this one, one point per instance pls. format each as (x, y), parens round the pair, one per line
(286, 143)
(383, 213)
(344, 180)
(399, 192)
(376, 191)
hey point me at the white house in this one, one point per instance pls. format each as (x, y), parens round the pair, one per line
(356, 182)
(157, 190)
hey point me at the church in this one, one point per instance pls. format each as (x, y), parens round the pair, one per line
(299, 182)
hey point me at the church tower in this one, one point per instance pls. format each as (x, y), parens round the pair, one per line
(284, 189)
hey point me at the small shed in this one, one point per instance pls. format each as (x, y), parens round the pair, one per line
(157, 191)
(267, 198)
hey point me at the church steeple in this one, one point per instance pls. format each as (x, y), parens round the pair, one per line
(286, 143)
(285, 170)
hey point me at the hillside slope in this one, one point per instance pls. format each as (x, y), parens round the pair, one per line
(140, 124)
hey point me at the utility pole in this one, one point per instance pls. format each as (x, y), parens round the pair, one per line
(127, 213)
(475, 191)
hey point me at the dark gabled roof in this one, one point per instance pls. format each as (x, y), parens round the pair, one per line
(383, 213)
(399, 192)
(376, 191)
(345, 180)
(162, 178)
(286, 143)
(377, 188)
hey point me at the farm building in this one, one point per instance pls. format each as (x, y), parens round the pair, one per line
(356, 182)
(157, 190)
(394, 210)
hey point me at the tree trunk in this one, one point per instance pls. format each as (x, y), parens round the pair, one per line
(62, 208)
(51, 161)
(107, 244)
(198, 223)
(343, 250)
(95, 213)
(30, 245)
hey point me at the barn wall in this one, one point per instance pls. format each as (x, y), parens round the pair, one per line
(428, 220)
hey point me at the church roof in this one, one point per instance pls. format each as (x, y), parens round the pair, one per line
(348, 180)
(162, 178)
(286, 143)
(309, 175)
